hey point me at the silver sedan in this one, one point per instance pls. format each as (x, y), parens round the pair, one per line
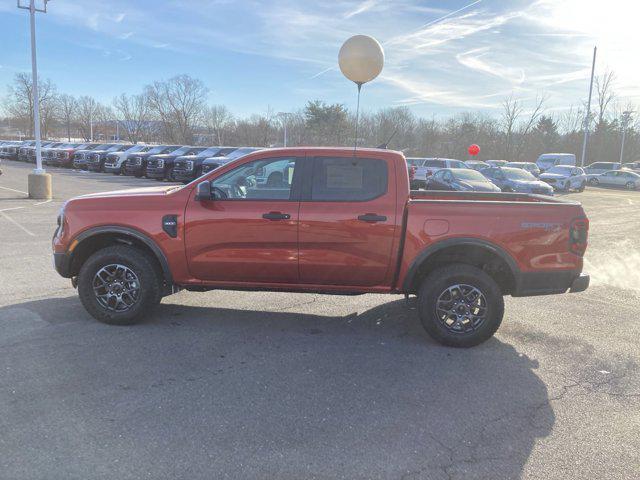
(618, 178)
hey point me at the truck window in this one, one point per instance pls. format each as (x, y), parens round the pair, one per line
(348, 179)
(264, 179)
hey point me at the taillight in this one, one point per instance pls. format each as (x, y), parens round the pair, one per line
(578, 233)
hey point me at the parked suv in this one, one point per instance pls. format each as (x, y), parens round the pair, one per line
(516, 180)
(565, 177)
(95, 161)
(548, 160)
(81, 157)
(216, 162)
(136, 165)
(425, 167)
(189, 167)
(598, 168)
(115, 161)
(530, 167)
(160, 166)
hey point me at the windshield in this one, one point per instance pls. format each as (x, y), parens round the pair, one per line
(241, 152)
(518, 174)
(471, 175)
(560, 170)
(105, 146)
(159, 149)
(180, 151)
(136, 148)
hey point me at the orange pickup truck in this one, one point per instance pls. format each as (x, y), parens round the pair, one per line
(323, 220)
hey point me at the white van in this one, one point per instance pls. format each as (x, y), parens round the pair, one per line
(548, 160)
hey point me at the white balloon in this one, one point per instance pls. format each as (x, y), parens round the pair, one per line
(361, 58)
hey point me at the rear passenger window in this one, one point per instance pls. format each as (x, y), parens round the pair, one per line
(348, 179)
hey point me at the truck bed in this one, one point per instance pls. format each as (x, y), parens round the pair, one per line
(447, 196)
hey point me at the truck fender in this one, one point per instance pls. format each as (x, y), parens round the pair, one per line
(132, 233)
(455, 242)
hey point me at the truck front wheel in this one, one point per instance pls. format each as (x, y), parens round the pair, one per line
(460, 305)
(120, 284)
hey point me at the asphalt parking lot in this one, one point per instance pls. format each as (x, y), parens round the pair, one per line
(291, 386)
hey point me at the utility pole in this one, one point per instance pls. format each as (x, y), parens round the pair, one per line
(587, 118)
(284, 116)
(626, 118)
(39, 180)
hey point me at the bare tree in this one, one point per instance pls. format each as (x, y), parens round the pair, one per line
(86, 116)
(511, 111)
(19, 104)
(179, 104)
(67, 105)
(218, 120)
(134, 115)
(605, 93)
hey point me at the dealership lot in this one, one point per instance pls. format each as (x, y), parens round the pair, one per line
(264, 385)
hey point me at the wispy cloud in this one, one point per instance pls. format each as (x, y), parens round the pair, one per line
(360, 8)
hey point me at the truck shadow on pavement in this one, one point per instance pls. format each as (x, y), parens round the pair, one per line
(260, 394)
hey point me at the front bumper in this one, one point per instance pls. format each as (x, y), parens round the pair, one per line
(62, 263)
(111, 168)
(155, 172)
(183, 175)
(550, 283)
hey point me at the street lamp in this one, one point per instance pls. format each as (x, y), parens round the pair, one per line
(39, 181)
(626, 118)
(284, 117)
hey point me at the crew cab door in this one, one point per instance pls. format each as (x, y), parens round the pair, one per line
(249, 232)
(347, 221)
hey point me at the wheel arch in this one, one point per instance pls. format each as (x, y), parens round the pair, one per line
(491, 258)
(94, 239)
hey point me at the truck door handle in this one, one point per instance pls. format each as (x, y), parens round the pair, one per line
(276, 216)
(372, 218)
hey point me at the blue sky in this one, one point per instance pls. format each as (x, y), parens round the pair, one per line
(277, 54)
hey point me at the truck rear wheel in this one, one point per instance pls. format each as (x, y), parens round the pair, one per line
(460, 305)
(119, 285)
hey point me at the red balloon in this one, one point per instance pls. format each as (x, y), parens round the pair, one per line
(474, 149)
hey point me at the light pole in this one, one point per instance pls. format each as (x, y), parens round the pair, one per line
(284, 116)
(39, 180)
(587, 118)
(626, 118)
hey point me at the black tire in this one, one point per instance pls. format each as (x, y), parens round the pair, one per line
(567, 186)
(594, 182)
(630, 186)
(582, 186)
(148, 276)
(437, 283)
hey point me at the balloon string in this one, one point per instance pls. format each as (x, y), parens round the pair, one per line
(355, 145)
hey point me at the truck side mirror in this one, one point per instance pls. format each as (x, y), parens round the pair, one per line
(203, 191)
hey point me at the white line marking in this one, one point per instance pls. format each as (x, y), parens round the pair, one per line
(14, 190)
(42, 203)
(12, 208)
(17, 224)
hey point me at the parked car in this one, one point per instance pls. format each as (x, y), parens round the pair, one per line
(425, 167)
(81, 157)
(136, 165)
(459, 252)
(65, 156)
(22, 153)
(9, 150)
(49, 153)
(96, 159)
(189, 167)
(212, 163)
(618, 178)
(516, 180)
(31, 152)
(596, 169)
(114, 161)
(548, 160)
(160, 166)
(565, 177)
(633, 165)
(497, 163)
(476, 164)
(530, 167)
(461, 180)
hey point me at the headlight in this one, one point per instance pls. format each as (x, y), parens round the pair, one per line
(160, 163)
(189, 165)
